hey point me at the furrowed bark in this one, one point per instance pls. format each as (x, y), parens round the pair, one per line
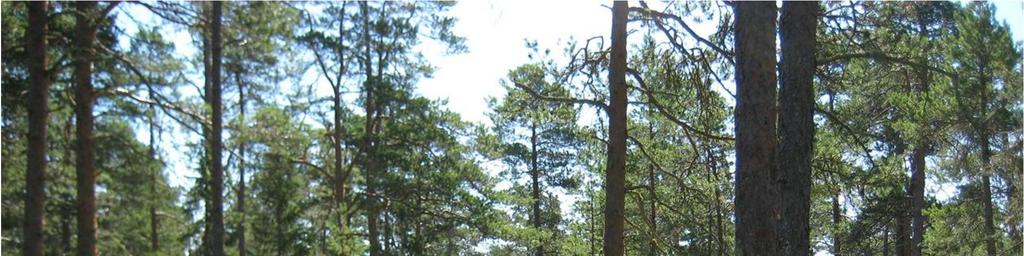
(615, 177)
(756, 192)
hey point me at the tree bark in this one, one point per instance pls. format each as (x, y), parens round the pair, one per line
(85, 148)
(986, 193)
(903, 229)
(917, 166)
(213, 140)
(340, 176)
(756, 192)
(837, 218)
(38, 117)
(535, 188)
(796, 124)
(615, 177)
(241, 166)
(154, 220)
(373, 214)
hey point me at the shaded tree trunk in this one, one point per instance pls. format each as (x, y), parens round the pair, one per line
(85, 148)
(837, 218)
(215, 211)
(796, 124)
(373, 214)
(535, 188)
(902, 238)
(756, 193)
(154, 220)
(38, 117)
(241, 167)
(986, 193)
(615, 177)
(917, 166)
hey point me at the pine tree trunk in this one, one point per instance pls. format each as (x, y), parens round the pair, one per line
(154, 220)
(986, 193)
(38, 117)
(917, 166)
(85, 148)
(903, 228)
(796, 124)
(615, 179)
(213, 140)
(756, 193)
(837, 218)
(373, 214)
(241, 167)
(535, 188)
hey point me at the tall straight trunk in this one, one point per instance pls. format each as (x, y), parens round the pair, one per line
(920, 151)
(986, 192)
(917, 167)
(837, 218)
(373, 214)
(796, 124)
(535, 188)
(85, 148)
(241, 166)
(154, 219)
(615, 177)
(215, 212)
(38, 117)
(756, 192)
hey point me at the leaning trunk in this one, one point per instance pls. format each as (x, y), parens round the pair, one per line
(38, 115)
(796, 124)
(756, 195)
(615, 179)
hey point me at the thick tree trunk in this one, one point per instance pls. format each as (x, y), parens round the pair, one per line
(796, 124)
(917, 166)
(535, 188)
(38, 117)
(756, 192)
(85, 148)
(213, 140)
(615, 177)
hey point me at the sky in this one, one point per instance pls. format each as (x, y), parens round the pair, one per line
(496, 32)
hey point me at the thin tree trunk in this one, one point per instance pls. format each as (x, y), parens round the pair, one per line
(85, 151)
(756, 193)
(615, 179)
(154, 220)
(340, 176)
(38, 117)
(241, 166)
(986, 193)
(373, 214)
(917, 166)
(796, 124)
(535, 188)
(837, 218)
(213, 140)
